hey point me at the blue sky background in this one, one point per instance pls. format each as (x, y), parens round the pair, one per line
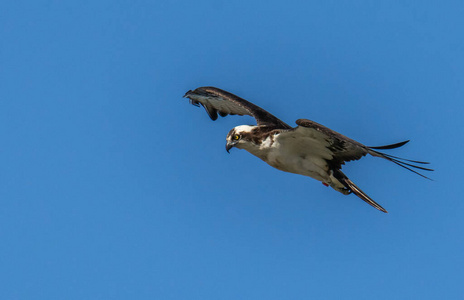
(113, 187)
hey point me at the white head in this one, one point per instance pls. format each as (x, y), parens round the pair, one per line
(240, 137)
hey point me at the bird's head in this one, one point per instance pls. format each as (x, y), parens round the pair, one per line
(240, 137)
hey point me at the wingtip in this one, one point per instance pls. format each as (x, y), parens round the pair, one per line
(391, 146)
(187, 94)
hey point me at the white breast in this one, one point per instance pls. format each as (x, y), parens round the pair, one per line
(291, 155)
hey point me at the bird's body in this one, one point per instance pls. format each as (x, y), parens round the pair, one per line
(310, 149)
(296, 158)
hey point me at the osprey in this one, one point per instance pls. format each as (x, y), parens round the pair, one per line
(309, 149)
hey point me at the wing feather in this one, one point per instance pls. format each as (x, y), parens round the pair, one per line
(342, 148)
(217, 101)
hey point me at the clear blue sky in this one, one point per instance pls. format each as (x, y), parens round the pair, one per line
(113, 187)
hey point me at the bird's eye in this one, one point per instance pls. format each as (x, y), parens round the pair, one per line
(236, 137)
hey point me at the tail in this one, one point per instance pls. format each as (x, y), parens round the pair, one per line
(402, 162)
(355, 190)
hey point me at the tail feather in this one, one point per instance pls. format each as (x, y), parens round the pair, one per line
(356, 190)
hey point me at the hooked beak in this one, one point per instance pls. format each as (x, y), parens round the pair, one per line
(229, 146)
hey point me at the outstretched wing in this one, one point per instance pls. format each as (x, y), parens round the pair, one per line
(341, 149)
(217, 101)
(338, 147)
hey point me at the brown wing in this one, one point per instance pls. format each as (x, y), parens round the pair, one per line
(217, 101)
(345, 149)
(342, 148)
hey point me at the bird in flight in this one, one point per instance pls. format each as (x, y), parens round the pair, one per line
(310, 149)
